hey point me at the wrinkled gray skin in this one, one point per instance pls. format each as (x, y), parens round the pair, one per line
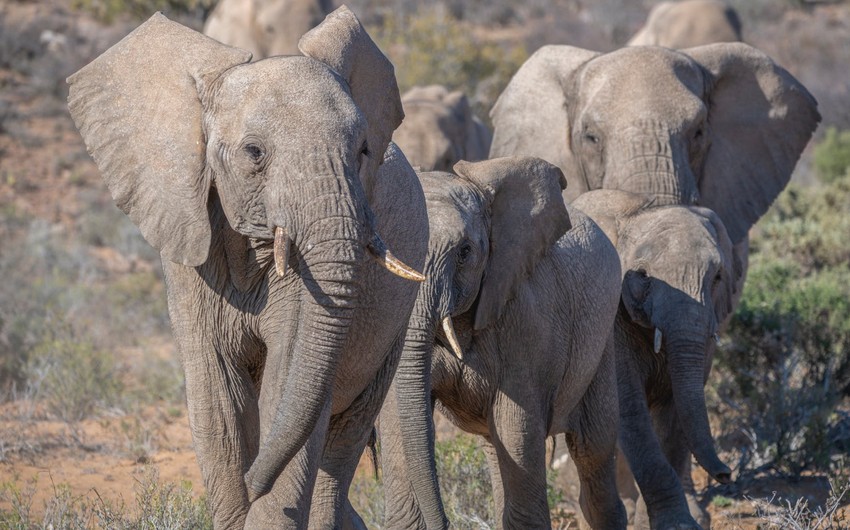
(265, 27)
(208, 154)
(682, 277)
(528, 302)
(689, 23)
(719, 126)
(439, 129)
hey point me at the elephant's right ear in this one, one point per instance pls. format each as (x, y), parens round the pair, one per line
(531, 116)
(527, 216)
(138, 109)
(342, 43)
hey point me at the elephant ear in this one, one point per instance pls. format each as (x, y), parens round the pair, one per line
(531, 115)
(342, 43)
(732, 267)
(139, 111)
(527, 216)
(760, 120)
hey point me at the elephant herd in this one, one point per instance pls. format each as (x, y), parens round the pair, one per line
(573, 283)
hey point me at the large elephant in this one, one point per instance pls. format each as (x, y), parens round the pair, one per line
(689, 23)
(681, 282)
(439, 129)
(265, 27)
(720, 125)
(237, 172)
(525, 357)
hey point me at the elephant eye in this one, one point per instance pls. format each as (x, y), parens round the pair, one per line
(592, 138)
(718, 277)
(463, 253)
(254, 152)
(365, 149)
(698, 134)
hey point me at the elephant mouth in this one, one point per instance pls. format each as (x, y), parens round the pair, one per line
(376, 247)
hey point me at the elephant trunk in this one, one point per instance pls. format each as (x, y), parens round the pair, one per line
(657, 164)
(332, 252)
(413, 381)
(686, 358)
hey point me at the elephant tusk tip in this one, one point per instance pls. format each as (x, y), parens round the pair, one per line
(449, 330)
(386, 259)
(657, 343)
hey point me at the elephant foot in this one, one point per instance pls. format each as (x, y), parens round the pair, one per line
(699, 513)
(675, 519)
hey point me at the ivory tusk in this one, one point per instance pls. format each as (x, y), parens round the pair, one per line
(281, 251)
(449, 330)
(717, 338)
(386, 259)
(657, 345)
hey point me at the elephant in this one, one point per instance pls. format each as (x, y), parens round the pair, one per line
(689, 23)
(682, 280)
(508, 335)
(439, 129)
(719, 125)
(265, 27)
(264, 186)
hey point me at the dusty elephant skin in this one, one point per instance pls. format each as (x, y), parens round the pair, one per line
(720, 125)
(440, 129)
(265, 27)
(260, 185)
(681, 281)
(689, 23)
(523, 358)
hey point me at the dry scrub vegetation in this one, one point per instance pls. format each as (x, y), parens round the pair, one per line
(84, 332)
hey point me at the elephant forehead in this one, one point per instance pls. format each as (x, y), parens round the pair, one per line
(288, 89)
(673, 232)
(643, 72)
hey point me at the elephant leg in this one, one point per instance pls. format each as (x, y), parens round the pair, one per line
(287, 505)
(495, 477)
(592, 440)
(348, 434)
(518, 433)
(224, 419)
(662, 497)
(667, 426)
(400, 506)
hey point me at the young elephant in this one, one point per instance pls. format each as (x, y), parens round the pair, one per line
(259, 183)
(532, 306)
(440, 129)
(681, 282)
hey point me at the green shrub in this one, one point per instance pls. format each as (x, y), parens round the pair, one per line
(832, 155)
(786, 366)
(74, 378)
(429, 46)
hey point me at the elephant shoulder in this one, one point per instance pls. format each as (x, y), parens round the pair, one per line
(587, 252)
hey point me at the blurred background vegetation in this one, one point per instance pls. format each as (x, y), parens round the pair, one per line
(83, 323)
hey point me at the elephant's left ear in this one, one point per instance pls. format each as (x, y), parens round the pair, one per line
(527, 216)
(342, 43)
(760, 120)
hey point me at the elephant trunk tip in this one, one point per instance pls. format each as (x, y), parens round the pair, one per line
(716, 469)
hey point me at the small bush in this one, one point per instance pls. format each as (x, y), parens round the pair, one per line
(465, 483)
(786, 366)
(832, 155)
(75, 378)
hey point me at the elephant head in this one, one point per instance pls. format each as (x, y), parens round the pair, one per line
(440, 129)
(289, 145)
(720, 125)
(689, 23)
(265, 27)
(489, 226)
(680, 275)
